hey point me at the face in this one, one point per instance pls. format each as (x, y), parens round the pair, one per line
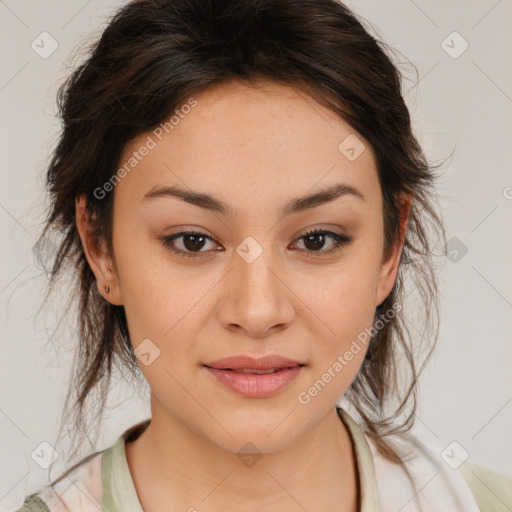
(256, 271)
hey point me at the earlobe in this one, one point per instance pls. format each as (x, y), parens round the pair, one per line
(389, 268)
(96, 254)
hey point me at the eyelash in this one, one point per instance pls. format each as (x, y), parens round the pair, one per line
(339, 242)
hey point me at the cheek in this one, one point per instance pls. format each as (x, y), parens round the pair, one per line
(344, 296)
(161, 295)
(162, 303)
(168, 304)
(348, 310)
(344, 313)
(343, 300)
(156, 292)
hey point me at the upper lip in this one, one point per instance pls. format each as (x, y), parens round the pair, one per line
(246, 362)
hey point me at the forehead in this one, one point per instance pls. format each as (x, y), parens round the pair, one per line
(272, 139)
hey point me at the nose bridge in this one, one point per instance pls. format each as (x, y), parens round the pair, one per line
(254, 267)
(258, 299)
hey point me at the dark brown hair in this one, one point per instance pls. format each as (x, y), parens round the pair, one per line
(152, 57)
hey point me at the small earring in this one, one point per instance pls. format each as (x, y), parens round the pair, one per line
(107, 288)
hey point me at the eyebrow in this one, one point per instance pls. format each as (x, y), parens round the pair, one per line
(296, 205)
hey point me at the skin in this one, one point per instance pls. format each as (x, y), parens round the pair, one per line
(254, 149)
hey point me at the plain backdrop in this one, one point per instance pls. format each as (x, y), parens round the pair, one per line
(461, 102)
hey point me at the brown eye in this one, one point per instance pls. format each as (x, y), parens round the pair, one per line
(316, 239)
(192, 243)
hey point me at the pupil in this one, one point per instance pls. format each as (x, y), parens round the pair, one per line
(317, 245)
(192, 242)
(196, 241)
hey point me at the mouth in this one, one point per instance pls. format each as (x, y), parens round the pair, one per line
(255, 370)
(248, 364)
(255, 377)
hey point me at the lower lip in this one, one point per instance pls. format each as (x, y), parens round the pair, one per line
(254, 385)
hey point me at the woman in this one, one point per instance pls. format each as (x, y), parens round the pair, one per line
(242, 199)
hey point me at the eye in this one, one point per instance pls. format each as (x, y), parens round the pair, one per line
(315, 239)
(192, 242)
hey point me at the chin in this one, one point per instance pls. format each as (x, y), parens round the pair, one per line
(269, 431)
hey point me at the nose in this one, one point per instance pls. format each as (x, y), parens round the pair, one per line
(258, 299)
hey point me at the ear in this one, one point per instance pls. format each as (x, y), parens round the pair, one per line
(389, 267)
(96, 253)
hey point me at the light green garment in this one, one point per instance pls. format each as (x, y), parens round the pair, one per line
(492, 491)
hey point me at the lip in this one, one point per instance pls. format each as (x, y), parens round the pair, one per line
(255, 385)
(247, 362)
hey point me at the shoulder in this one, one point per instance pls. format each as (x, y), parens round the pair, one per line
(81, 487)
(78, 489)
(33, 503)
(426, 481)
(492, 490)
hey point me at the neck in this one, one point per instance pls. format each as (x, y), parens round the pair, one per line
(172, 467)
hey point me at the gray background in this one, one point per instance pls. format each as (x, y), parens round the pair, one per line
(461, 103)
